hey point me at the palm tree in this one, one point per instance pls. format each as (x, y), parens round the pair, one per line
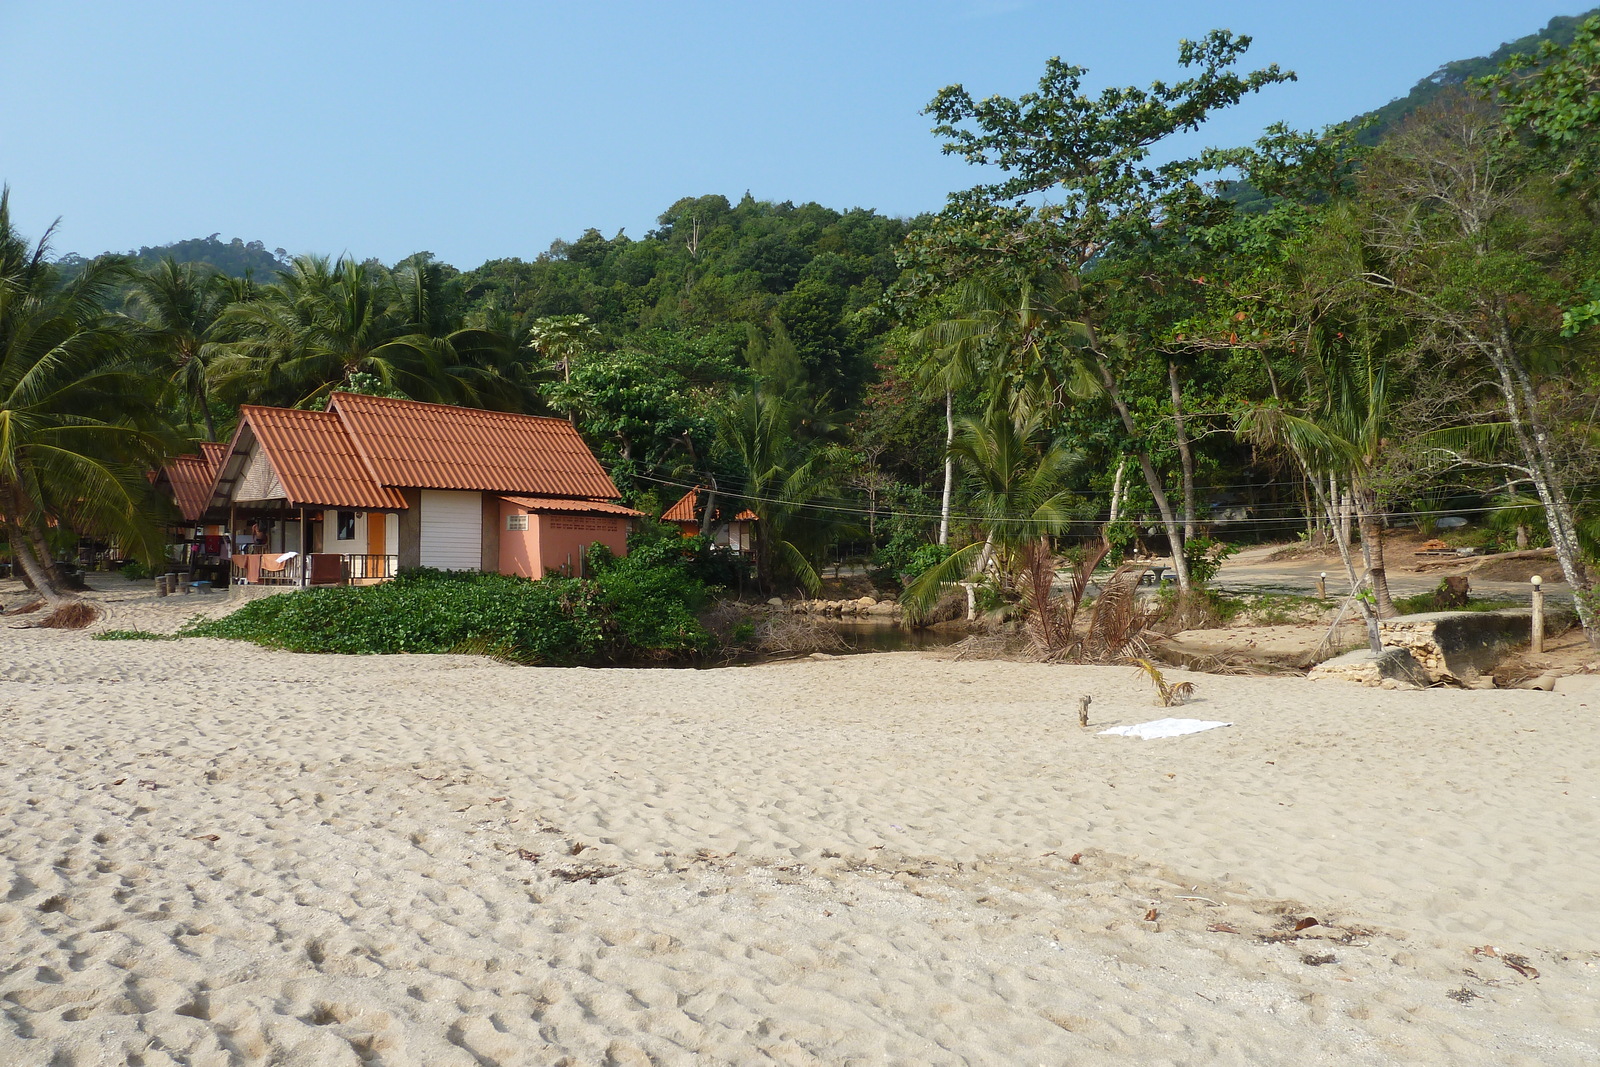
(1016, 484)
(181, 305)
(783, 481)
(1000, 333)
(324, 321)
(77, 416)
(1345, 433)
(320, 322)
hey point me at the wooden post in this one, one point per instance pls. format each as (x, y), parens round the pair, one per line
(305, 540)
(1322, 586)
(1536, 642)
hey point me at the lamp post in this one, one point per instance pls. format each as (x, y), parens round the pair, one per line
(1322, 586)
(1536, 634)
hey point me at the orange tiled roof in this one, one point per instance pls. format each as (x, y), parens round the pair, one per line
(684, 509)
(214, 452)
(591, 507)
(191, 478)
(315, 459)
(688, 506)
(436, 446)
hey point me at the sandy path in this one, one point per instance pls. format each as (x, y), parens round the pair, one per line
(215, 854)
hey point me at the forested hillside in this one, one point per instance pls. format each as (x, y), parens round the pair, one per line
(1457, 73)
(236, 258)
(711, 272)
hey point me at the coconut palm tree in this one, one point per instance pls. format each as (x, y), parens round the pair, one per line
(1345, 432)
(783, 481)
(78, 424)
(1016, 485)
(1002, 334)
(320, 322)
(181, 305)
(324, 321)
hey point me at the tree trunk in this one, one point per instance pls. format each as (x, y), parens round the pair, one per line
(1180, 563)
(37, 566)
(1533, 441)
(708, 516)
(1325, 500)
(1116, 493)
(949, 467)
(1185, 456)
(38, 574)
(1343, 497)
(1313, 515)
(1372, 550)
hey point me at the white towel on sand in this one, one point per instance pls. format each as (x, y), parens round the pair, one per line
(1164, 728)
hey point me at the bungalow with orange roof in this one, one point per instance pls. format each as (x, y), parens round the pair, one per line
(737, 533)
(197, 539)
(373, 484)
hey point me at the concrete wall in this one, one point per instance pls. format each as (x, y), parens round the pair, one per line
(564, 539)
(554, 541)
(518, 550)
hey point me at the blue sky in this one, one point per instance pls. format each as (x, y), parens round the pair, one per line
(479, 130)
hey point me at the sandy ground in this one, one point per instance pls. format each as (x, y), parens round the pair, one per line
(214, 854)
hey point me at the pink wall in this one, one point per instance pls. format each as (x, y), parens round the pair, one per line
(555, 538)
(564, 538)
(519, 551)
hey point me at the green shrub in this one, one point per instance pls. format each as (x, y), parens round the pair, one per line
(133, 570)
(133, 635)
(1423, 603)
(1205, 557)
(650, 598)
(630, 609)
(904, 559)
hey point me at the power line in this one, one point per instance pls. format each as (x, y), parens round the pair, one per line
(931, 516)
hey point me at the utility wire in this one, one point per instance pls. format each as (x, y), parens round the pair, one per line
(885, 511)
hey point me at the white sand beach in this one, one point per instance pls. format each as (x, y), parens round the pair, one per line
(215, 854)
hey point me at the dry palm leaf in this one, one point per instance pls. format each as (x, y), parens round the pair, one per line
(1171, 694)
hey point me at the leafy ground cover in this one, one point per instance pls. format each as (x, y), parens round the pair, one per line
(639, 608)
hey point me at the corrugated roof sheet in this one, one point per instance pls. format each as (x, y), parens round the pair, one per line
(590, 507)
(316, 460)
(191, 478)
(436, 446)
(214, 452)
(687, 509)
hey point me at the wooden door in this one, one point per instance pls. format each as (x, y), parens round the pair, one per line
(376, 521)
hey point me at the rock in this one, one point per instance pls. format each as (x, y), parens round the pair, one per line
(776, 602)
(1582, 686)
(1392, 664)
(866, 602)
(1454, 646)
(885, 607)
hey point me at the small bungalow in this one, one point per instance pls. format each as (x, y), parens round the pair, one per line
(196, 542)
(352, 494)
(737, 533)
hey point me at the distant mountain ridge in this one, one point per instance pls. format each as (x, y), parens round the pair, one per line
(236, 257)
(1455, 74)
